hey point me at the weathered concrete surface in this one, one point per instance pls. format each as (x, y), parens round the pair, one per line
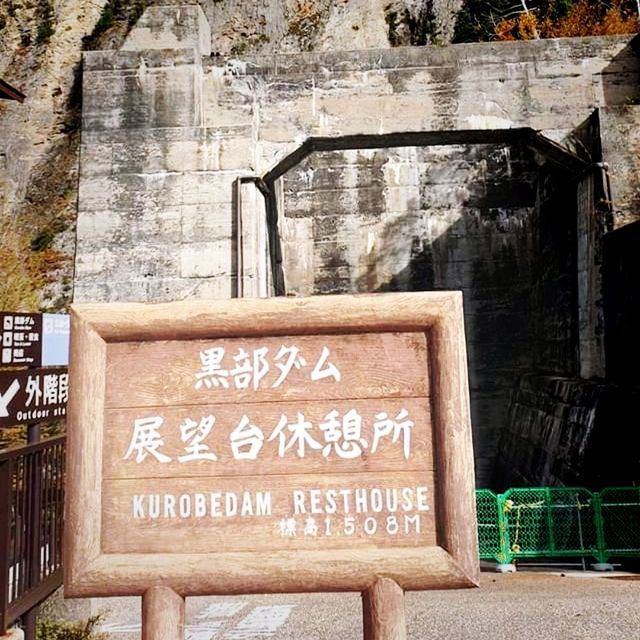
(571, 432)
(591, 222)
(167, 132)
(163, 132)
(548, 85)
(491, 220)
(620, 130)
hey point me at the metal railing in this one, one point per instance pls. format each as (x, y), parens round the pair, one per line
(31, 511)
(556, 522)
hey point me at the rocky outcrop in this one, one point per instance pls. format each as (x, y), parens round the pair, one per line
(40, 53)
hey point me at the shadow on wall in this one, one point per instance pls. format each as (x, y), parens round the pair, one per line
(491, 220)
(621, 125)
(571, 432)
(622, 73)
(621, 276)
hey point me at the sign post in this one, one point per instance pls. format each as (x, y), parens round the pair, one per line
(262, 446)
(32, 396)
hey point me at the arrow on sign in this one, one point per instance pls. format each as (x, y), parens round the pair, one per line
(8, 397)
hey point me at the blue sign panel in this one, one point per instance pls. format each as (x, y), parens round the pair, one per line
(55, 340)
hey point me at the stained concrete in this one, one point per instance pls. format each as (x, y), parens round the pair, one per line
(495, 221)
(167, 132)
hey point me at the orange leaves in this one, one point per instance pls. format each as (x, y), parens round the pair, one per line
(615, 22)
(527, 26)
(507, 29)
(524, 27)
(583, 19)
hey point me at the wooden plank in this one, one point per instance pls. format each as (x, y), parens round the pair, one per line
(121, 460)
(206, 515)
(452, 440)
(172, 372)
(192, 574)
(204, 319)
(84, 448)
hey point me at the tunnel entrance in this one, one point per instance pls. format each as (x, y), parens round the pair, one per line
(491, 213)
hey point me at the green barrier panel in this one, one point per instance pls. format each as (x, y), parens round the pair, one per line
(620, 508)
(527, 521)
(488, 529)
(558, 522)
(573, 522)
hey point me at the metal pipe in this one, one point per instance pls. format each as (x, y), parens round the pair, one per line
(237, 185)
(606, 202)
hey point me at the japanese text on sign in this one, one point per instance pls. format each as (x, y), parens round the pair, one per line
(339, 435)
(39, 394)
(343, 435)
(249, 369)
(21, 335)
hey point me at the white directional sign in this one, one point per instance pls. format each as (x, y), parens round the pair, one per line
(33, 395)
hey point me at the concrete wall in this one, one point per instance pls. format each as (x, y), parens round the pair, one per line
(485, 219)
(156, 184)
(168, 131)
(551, 86)
(620, 133)
(622, 304)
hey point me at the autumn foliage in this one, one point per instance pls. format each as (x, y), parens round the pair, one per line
(584, 18)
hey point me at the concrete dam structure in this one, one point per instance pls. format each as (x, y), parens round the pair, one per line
(498, 169)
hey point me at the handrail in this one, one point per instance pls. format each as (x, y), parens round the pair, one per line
(31, 520)
(19, 450)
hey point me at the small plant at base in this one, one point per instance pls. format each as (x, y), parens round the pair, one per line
(62, 630)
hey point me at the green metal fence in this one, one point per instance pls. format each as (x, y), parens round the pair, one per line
(558, 522)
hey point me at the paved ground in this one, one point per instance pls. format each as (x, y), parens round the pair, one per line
(515, 606)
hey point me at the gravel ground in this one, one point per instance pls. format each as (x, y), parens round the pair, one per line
(523, 605)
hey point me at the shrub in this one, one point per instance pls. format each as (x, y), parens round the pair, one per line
(62, 630)
(580, 19)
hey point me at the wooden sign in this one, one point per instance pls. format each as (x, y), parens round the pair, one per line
(279, 445)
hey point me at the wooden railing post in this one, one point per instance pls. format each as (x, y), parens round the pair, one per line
(5, 536)
(162, 614)
(383, 611)
(34, 521)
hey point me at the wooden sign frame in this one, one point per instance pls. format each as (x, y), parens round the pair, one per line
(452, 563)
